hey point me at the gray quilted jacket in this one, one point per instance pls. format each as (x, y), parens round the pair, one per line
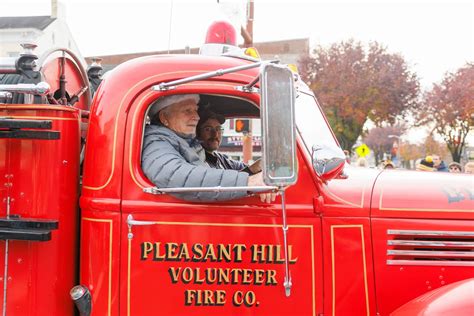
(173, 161)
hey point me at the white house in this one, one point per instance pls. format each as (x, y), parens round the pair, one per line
(45, 31)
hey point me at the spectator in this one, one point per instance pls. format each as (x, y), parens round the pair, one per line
(426, 164)
(469, 167)
(362, 162)
(455, 167)
(348, 156)
(439, 164)
(388, 164)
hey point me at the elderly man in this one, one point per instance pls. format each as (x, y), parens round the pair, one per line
(209, 132)
(172, 157)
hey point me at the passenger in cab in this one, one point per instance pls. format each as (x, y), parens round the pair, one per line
(172, 157)
(209, 132)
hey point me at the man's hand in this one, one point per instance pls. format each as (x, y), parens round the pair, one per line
(257, 180)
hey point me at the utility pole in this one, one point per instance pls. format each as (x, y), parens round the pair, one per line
(247, 34)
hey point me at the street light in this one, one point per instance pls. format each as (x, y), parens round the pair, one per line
(398, 149)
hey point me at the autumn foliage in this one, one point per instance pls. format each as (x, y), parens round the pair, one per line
(354, 84)
(449, 108)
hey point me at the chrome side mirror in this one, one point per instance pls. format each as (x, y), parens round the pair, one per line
(328, 161)
(278, 125)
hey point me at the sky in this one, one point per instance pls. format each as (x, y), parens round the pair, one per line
(434, 37)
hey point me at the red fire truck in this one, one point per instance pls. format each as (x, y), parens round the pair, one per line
(339, 240)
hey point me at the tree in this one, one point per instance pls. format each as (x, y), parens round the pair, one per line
(381, 140)
(450, 107)
(354, 85)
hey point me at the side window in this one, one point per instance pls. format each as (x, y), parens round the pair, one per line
(228, 126)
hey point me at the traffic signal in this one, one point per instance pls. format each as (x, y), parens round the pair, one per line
(242, 126)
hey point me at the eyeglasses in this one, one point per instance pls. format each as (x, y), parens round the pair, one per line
(209, 129)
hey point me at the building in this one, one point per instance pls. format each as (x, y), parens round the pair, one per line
(45, 31)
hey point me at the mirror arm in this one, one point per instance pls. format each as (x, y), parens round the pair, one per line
(287, 283)
(249, 88)
(164, 86)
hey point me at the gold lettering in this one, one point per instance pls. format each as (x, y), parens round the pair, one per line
(220, 297)
(198, 279)
(271, 280)
(278, 255)
(208, 297)
(224, 253)
(171, 253)
(258, 279)
(157, 256)
(211, 275)
(174, 274)
(198, 252)
(210, 253)
(290, 250)
(223, 276)
(235, 275)
(246, 276)
(238, 250)
(147, 247)
(189, 296)
(183, 252)
(258, 253)
(270, 253)
(187, 275)
(204, 297)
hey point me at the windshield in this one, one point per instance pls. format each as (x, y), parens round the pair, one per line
(311, 123)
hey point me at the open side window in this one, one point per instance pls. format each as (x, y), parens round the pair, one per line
(240, 138)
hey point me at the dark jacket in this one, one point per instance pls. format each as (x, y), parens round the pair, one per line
(173, 161)
(221, 161)
(442, 167)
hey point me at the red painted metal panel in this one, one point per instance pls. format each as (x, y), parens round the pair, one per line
(348, 274)
(453, 299)
(415, 194)
(179, 264)
(411, 281)
(42, 181)
(100, 240)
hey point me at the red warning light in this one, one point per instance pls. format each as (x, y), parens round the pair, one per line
(221, 32)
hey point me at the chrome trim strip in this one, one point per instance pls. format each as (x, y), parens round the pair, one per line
(430, 243)
(431, 233)
(257, 189)
(428, 253)
(430, 263)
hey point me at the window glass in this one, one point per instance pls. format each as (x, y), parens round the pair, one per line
(311, 123)
(232, 140)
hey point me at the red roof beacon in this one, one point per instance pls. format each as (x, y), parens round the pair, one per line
(220, 38)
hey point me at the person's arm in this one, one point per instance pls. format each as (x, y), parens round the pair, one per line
(166, 168)
(239, 165)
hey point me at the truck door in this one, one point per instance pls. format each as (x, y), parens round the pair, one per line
(222, 258)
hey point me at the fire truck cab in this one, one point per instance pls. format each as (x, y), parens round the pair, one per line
(338, 240)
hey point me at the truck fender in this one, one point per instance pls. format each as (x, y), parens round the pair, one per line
(453, 299)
